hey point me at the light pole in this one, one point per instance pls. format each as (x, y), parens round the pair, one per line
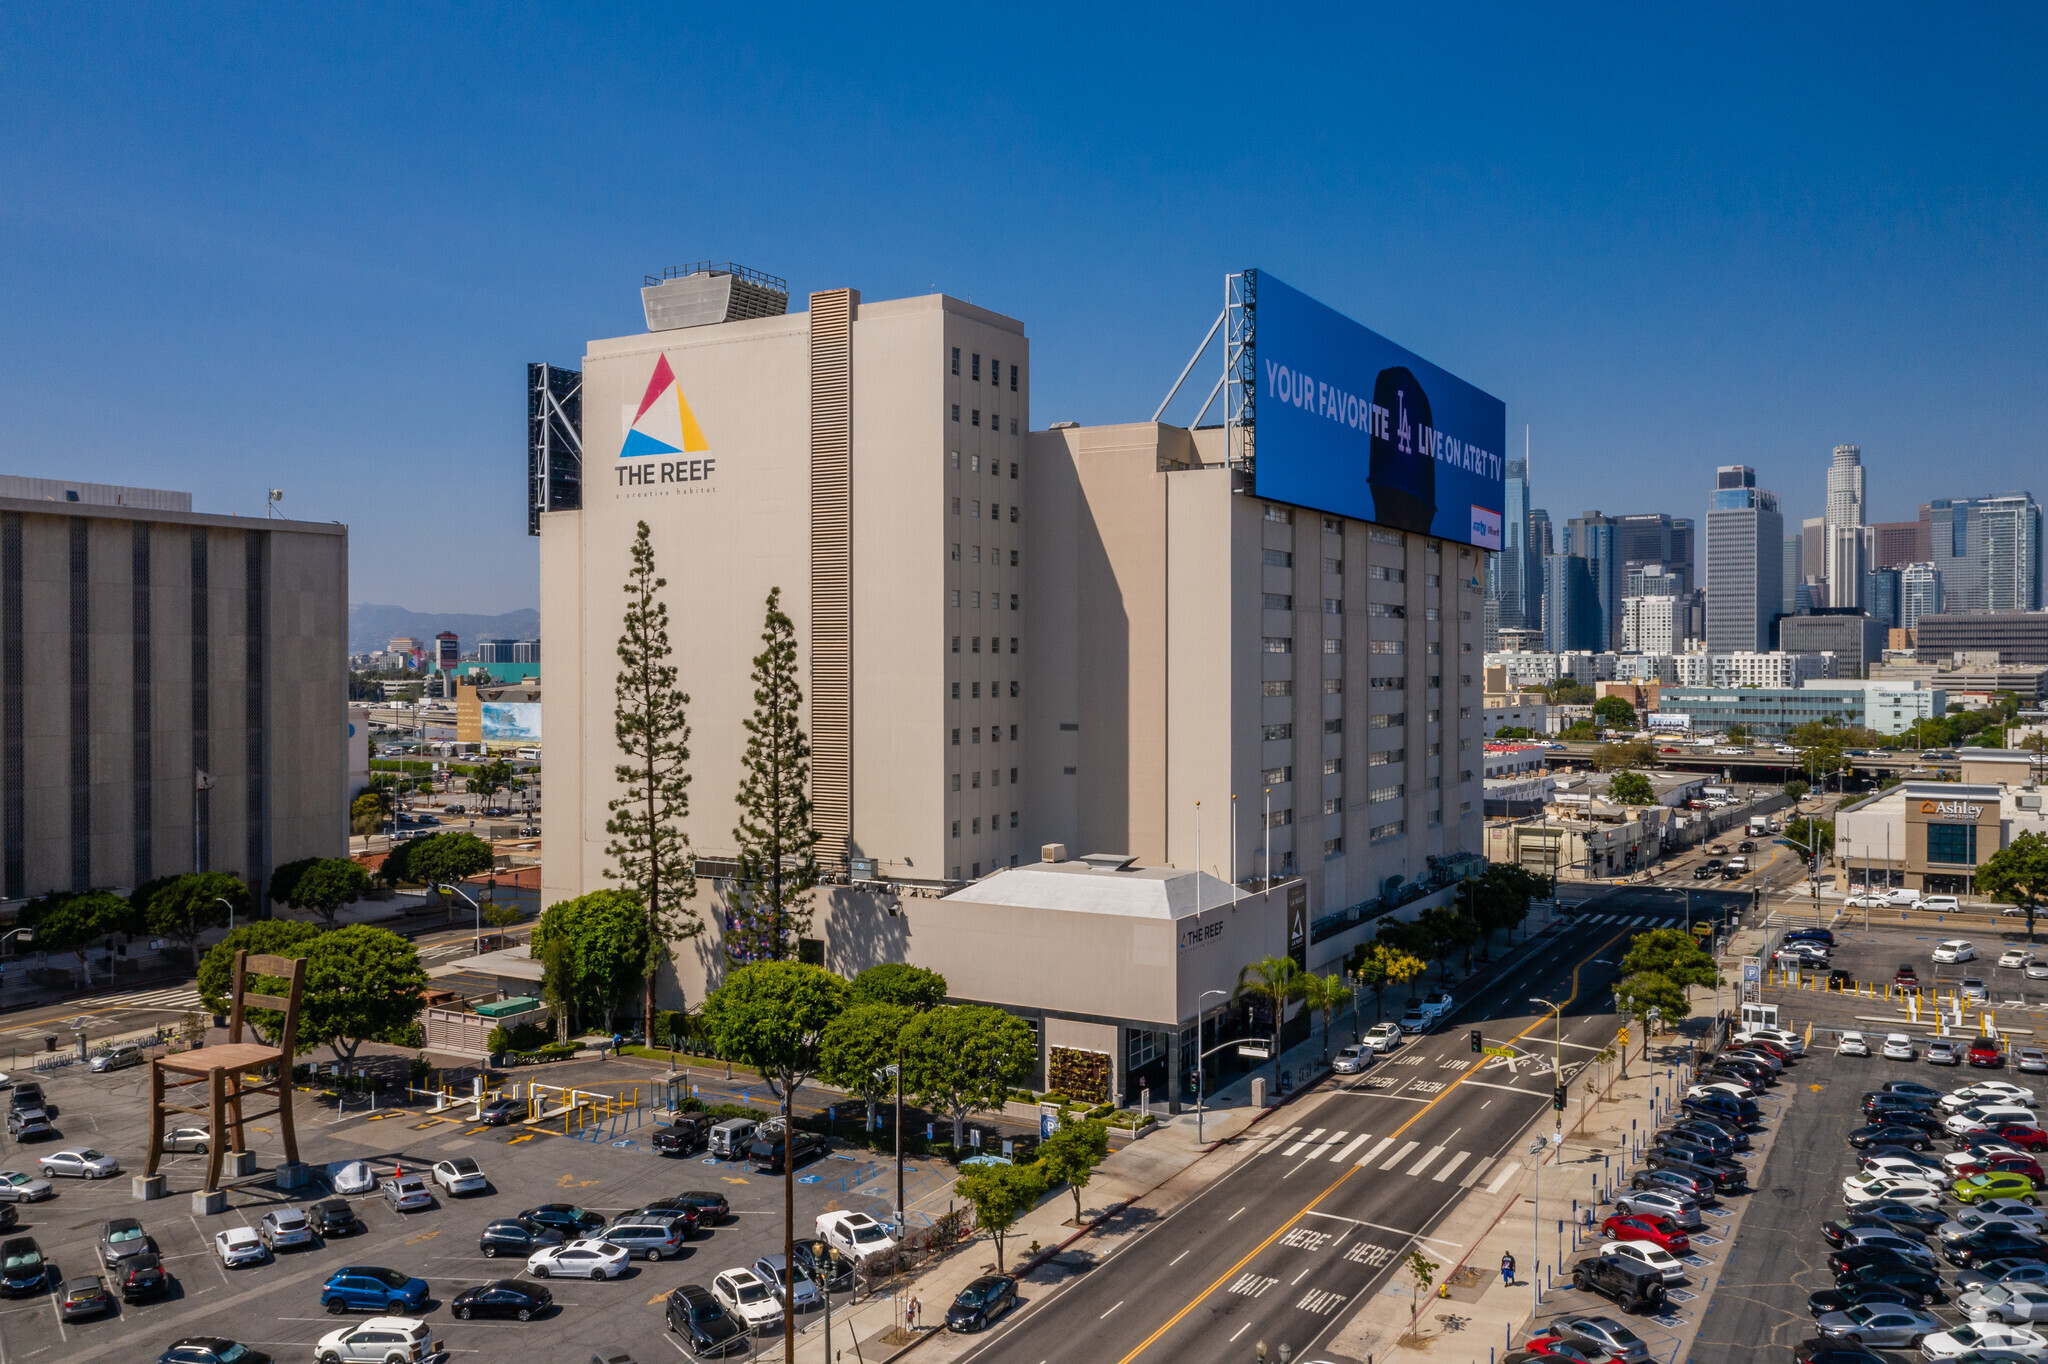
(896, 1071)
(223, 900)
(1536, 1226)
(1201, 1056)
(1557, 1058)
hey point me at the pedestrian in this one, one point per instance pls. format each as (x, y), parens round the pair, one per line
(1507, 1268)
(910, 1315)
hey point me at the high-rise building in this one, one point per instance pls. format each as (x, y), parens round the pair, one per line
(1595, 537)
(1919, 594)
(525, 651)
(2017, 637)
(1813, 553)
(1571, 606)
(1793, 571)
(1653, 580)
(1898, 543)
(447, 651)
(1987, 550)
(1745, 555)
(1845, 487)
(1881, 596)
(1685, 551)
(1649, 625)
(1517, 567)
(1846, 567)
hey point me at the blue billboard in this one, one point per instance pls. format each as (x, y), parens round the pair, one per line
(1345, 421)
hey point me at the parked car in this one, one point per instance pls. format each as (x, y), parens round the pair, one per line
(1955, 950)
(2015, 957)
(687, 1135)
(406, 1193)
(211, 1350)
(372, 1288)
(1925, 1284)
(187, 1140)
(1695, 1187)
(1662, 1203)
(711, 1206)
(585, 1259)
(1663, 1261)
(81, 1298)
(1879, 1133)
(502, 1298)
(1898, 1047)
(1942, 1052)
(1658, 1231)
(748, 1298)
(1383, 1037)
(29, 1094)
(1971, 1188)
(22, 1267)
(1983, 1336)
(122, 1239)
(1841, 1299)
(1629, 1284)
(461, 1176)
(647, 1237)
(517, 1236)
(499, 1112)
(380, 1340)
(1603, 1335)
(1852, 1044)
(773, 1271)
(2032, 1060)
(141, 1278)
(704, 1323)
(334, 1217)
(284, 1228)
(79, 1162)
(1352, 1059)
(566, 1218)
(238, 1246)
(1876, 1324)
(765, 1154)
(117, 1057)
(855, 1234)
(351, 1177)
(2005, 1302)
(1907, 978)
(16, 1187)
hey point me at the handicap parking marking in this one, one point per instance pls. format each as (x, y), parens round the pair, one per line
(1678, 1294)
(1702, 1239)
(1694, 1260)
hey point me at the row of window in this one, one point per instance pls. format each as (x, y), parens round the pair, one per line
(977, 872)
(995, 600)
(995, 466)
(1394, 792)
(995, 423)
(995, 735)
(995, 369)
(994, 823)
(995, 644)
(995, 689)
(995, 555)
(995, 510)
(995, 778)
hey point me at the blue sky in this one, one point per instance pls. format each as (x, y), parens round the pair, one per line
(313, 248)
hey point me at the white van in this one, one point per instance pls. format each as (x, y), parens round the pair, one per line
(730, 1139)
(1942, 904)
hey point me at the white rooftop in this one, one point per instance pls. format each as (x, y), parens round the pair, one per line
(1101, 887)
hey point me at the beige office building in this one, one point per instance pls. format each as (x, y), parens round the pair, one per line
(1009, 638)
(142, 643)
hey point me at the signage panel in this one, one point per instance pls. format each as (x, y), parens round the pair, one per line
(511, 721)
(1346, 421)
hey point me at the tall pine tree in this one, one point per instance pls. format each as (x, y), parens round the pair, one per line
(771, 904)
(650, 851)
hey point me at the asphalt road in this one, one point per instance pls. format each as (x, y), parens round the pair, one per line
(1286, 1246)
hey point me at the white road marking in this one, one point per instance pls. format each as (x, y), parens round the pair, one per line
(1361, 1139)
(1449, 1166)
(1401, 1155)
(1373, 1154)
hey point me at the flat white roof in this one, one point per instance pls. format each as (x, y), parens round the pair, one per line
(1078, 888)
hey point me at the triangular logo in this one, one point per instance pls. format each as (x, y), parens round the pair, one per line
(663, 423)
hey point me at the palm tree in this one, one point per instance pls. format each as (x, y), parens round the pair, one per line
(1276, 980)
(1326, 995)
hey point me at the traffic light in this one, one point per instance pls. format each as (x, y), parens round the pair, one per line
(1557, 1098)
(1478, 1042)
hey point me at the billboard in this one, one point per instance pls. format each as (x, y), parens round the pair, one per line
(1660, 720)
(1345, 421)
(511, 721)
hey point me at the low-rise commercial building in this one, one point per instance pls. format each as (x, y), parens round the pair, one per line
(2027, 682)
(1933, 836)
(1854, 640)
(2017, 636)
(1766, 712)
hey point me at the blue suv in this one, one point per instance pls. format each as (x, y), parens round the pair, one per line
(373, 1288)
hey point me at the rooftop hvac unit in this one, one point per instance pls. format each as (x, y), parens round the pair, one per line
(708, 292)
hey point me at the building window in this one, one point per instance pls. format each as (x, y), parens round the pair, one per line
(1013, 513)
(1013, 431)
(977, 829)
(1332, 565)
(956, 506)
(1435, 717)
(1332, 525)
(1278, 644)
(956, 412)
(1435, 750)
(1435, 650)
(1389, 646)
(1333, 686)
(1389, 684)
(1380, 793)
(1013, 558)
(956, 359)
(1333, 646)
(956, 644)
(1386, 537)
(1013, 463)
(956, 596)
(1464, 679)
(1396, 720)
(1380, 831)
(1281, 819)
(974, 417)
(976, 368)
(1432, 580)
(1952, 844)
(1013, 776)
(1013, 378)
(1335, 726)
(1436, 679)
(1465, 807)
(977, 644)
(1333, 767)
(1333, 606)
(1278, 731)
(1387, 611)
(1013, 687)
(1279, 689)
(1334, 805)
(956, 691)
(1462, 615)
(974, 735)
(975, 691)
(1013, 819)
(956, 738)
(1332, 846)
(1013, 601)
(1465, 775)
(1431, 613)
(974, 465)
(1465, 648)
(1464, 712)
(956, 834)
(1013, 644)
(956, 781)
(976, 784)
(1278, 558)
(1387, 756)
(1279, 601)
(1281, 514)
(995, 423)
(1068, 771)
(1388, 575)
(956, 552)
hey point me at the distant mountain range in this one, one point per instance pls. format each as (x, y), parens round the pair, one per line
(372, 627)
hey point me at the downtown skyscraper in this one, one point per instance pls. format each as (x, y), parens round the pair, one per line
(1745, 557)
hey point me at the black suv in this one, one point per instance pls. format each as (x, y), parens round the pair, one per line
(687, 1135)
(29, 1094)
(518, 1236)
(334, 1217)
(1727, 1175)
(711, 1207)
(1629, 1284)
(566, 1218)
(702, 1321)
(766, 1152)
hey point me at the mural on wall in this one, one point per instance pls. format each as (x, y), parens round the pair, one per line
(1080, 1075)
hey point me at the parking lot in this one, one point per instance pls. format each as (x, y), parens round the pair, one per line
(1873, 956)
(274, 1306)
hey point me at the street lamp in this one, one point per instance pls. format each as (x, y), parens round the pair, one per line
(1201, 1056)
(223, 900)
(896, 1072)
(1536, 1226)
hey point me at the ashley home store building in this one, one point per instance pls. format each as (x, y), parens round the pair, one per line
(1932, 836)
(1108, 638)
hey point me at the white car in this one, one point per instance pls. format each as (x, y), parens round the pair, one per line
(380, 1340)
(1852, 1044)
(284, 1227)
(1791, 1042)
(194, 1139)
(2030, 1059)
(748, 1298)
(2015, 957)
(2006, 1302)
(1417, 1019)
(1383, 1037)
(1898, 1047)
(1983, 1336)
(461, 1175)
(1896, 1166)
(1942, 904)
(1954, 1161)
(1914, 1193)
(1353, 1059)
(587, 1259)
(1986, 1115)
(855, 1234)
(78, 1163)
(1865, 902)
(1654, 1257)
(1988, 1091)
(240, 1246)
(351, 1177)
(1955, 950)
(2038, 971)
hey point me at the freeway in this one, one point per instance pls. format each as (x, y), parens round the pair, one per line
(1291, 1242)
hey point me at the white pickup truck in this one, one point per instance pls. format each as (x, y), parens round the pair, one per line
(855, 1234)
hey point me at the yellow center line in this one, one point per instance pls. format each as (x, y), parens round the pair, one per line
(1252, 1254)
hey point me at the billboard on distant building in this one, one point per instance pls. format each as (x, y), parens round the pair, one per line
(1675, 723)
(1345, 421)
(511, 721)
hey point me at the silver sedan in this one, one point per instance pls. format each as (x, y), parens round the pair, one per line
(1878, 1324)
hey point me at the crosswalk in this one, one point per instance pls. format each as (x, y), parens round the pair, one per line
(1625, 920)
(1438, 1163)
(183, 998)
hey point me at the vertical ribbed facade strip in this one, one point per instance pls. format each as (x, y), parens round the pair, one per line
(138, 644)
(831, 682)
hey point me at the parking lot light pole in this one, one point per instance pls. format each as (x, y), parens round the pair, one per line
(1536, 1227)
(223, 900)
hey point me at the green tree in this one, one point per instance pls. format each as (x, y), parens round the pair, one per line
(184, 906)
(898, 983)
(1814, 837)
(1448, 931)
(1568, 691)
(778, 864)
(363, 984)
(2017, 874)
(1738, 734)
(1579, 731)
(1673, 954)
(1376, 965)
(1515, 732)
(265, 937)
(1630, 753)
(859, 1047)
(1410, 939)
(999, 1194)
(1631, 788)
(961, 1059)
(1069, 1156)
(1796, 788)
(446, 858)
(1325, 995)
(367, 814)
(557, 982)
(488, 779)
(2036, 742)
(1274, 980)
(605, 934)
(649, 848)
(772, 1015)
(76, 922)
(1422, 1270)
(320, 884)
(1615, 711)
(1646, 992)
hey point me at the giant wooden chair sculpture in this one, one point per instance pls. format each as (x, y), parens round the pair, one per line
(223, 1069)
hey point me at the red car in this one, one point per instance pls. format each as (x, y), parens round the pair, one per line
(2021, 1135)
(1984, 1052)
(2009, 1165)
(1758, 1044)
(1658, 1230)
(1562, 1351)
